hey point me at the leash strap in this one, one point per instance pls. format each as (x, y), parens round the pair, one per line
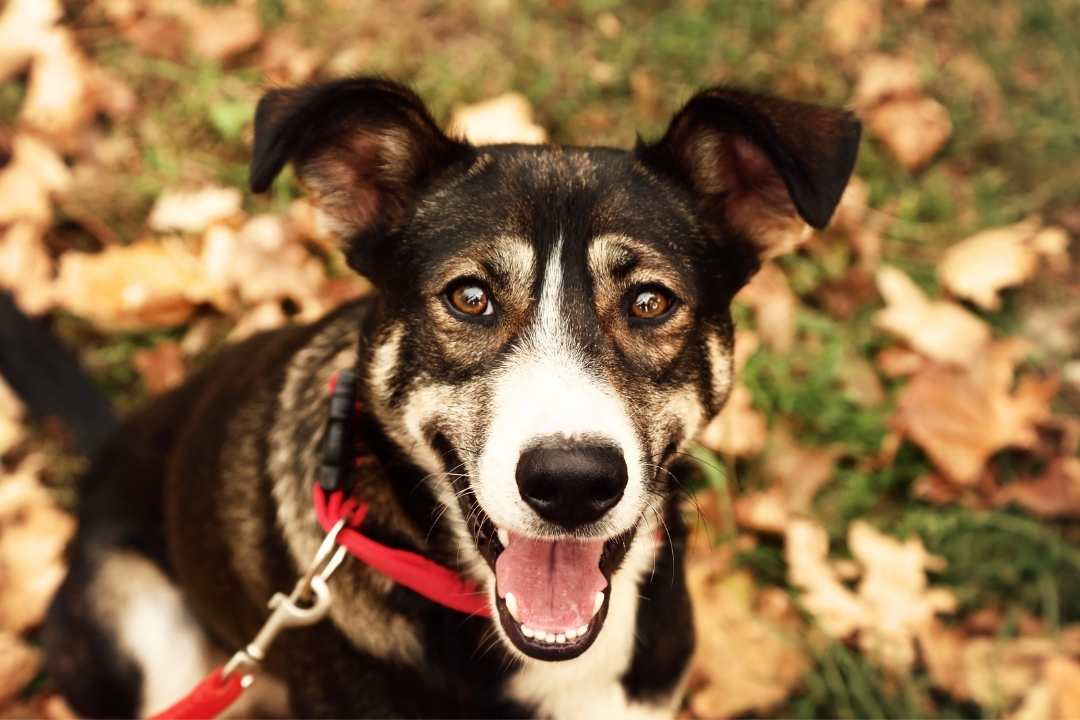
(211, 697)
(421, 575)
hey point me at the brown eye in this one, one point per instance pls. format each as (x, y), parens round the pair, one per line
(470, 299)
(650, 304)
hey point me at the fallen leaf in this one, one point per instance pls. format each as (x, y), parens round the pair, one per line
(33, 534)
(1063, 677)
(1053, 244)
(1054, 494)
(885, 77)
(994, 672)
(149, 284)
(507, 118)
(264, 261)
(896, 594)
(889, 96)
(24, 25)
(26, 269)
(897, 362)
(939, 329)
(194, 211)
(221, 31)
(161, 367)
(732, 615)
(853, 206)
(739, 430)
(19, 665)
(979, 267)
(962, 417)
(852, 25)
(762, 511)
(11, 419)
(32, 179)
(286, 60)
(914, 129)
(58, 101)
(837, 610)
(860, 382)
(799, 471)
(774, 304)
(893, 602)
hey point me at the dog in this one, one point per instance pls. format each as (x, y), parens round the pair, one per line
(550, 328)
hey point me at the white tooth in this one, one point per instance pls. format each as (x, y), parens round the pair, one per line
(571, 633)
(598, 602)
(582, 630)
(549, 638)
(512, 606)
(504, 538)
(561, 639)
(526, 631)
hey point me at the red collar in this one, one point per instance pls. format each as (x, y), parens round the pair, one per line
(412, 570)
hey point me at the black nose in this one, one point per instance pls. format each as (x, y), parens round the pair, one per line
(571, 484)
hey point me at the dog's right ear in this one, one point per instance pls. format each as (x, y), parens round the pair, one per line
(364, 148)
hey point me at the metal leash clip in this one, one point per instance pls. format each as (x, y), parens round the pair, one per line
(288, 612)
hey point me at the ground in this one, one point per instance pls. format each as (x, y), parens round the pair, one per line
(888, 511)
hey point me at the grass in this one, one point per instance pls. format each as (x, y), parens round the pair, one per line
(1015, 150)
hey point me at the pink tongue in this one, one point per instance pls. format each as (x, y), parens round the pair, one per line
(554, 581)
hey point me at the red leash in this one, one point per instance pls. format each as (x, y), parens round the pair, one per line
(341, 517)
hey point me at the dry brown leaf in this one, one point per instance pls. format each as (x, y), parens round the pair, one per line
(149, 284)
(1055, 494)
(161, 367)
(33, 534)
(885, 77)
(732, 615)
(286, 60)
(1063, 677)
(837, 610)
(59, 101)
(799, 471)
(11, 418)
(265, 262)
(30, 181)
(194, 211)
(26, 269)
(507, 118)
(961, 418)
(996, 673)
(774, 303)
(896, 594)
(893, 602)
(762, 511)
(24, 24)
(1053, 244)
(889, 96)
(860, 381)
(897, 362)
(985, 263)
(913, 129)
(19, 665)
(852, 25)
(739, 429)
(853, 206)
(939, 329)
(222, 31)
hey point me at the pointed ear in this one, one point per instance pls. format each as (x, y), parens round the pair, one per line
(758, 165)
(364, 148)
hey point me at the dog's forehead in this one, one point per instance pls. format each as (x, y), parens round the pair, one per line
(548, 195)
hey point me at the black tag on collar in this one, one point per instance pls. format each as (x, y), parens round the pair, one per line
(339, 443)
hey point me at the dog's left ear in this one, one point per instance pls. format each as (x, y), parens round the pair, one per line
(758, 165)
(365, 148)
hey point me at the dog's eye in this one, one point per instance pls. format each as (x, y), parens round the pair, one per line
(650, 303)
(469, 298)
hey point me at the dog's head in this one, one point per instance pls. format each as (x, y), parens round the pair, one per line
(554, 321)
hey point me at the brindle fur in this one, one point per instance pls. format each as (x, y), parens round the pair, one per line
(211, 483)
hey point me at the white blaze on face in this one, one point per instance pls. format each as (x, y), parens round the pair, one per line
(544, 391)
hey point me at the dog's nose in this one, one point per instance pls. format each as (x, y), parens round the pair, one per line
(571, 484)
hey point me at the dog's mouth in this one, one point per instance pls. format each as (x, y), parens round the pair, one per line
(552, 594)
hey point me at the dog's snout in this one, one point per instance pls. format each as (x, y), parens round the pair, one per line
(571, 484)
